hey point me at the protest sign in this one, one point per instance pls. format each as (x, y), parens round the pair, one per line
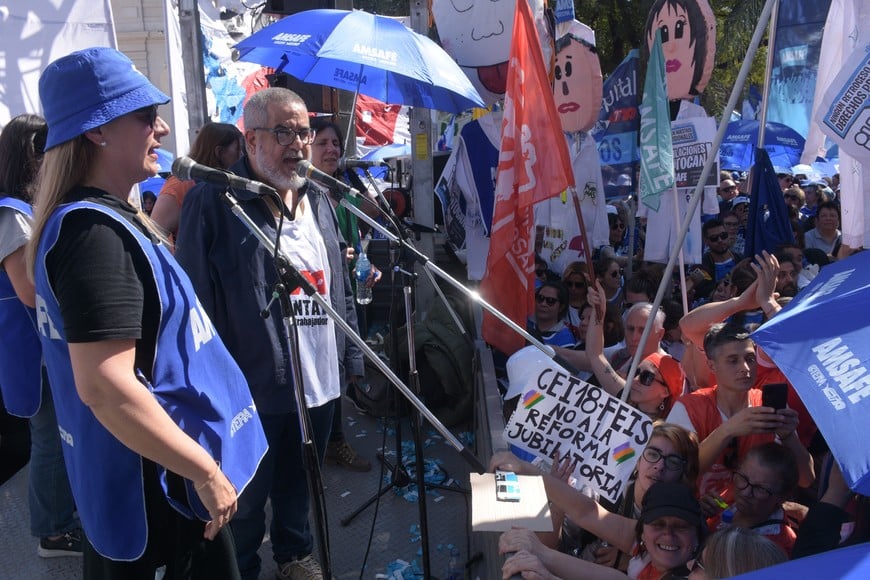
(693, 141)
(560, 413)
(845, 110)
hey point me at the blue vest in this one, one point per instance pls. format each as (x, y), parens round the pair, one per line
(20, 352)
(195, 380)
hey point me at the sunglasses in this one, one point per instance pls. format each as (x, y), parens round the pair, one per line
(548, 300)
(616, 273)
(646, 378)
(540, 271)
(672, 462)
(617, 226)
(576, 285)
(720, 238)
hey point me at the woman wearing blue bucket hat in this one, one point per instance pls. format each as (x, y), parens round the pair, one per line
(158, 427)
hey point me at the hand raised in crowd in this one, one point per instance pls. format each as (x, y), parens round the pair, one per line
(562, 467)
(766, 267)
(596, 297)
(220, 499)
(526, 565)
(350, 254)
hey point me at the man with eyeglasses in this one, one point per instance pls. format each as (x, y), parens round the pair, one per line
(234, 276)
(719, 259)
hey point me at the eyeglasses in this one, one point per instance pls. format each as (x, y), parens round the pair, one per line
(672, 462)
(285, 136)
(548, 300)
(741, 482)
(576, 285)
(616, 273)
(647, 377)
(618, 226)
(720, 238)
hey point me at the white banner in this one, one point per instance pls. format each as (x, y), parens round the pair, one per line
(559, 413)
(844, 112)
(35, 34)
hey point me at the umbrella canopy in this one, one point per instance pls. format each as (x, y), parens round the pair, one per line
(852, 563)
(783, 144)
(361, 52)
(820, 341)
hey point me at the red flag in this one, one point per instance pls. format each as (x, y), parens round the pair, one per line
(533, 165)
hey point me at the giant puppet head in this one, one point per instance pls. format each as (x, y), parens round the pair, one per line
(577, 88)
(478, 37)
(688, 42)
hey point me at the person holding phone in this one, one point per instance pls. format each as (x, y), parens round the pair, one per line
(730, 417)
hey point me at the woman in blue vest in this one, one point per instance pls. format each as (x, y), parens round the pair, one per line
(25, 394)
(157, 425)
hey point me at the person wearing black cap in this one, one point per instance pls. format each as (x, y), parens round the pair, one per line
(667, 535)
(158, 427)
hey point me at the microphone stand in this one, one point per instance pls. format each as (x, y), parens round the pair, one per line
(401, 264)
(291, 279)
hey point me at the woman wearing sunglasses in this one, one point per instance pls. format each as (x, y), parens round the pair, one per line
(659, 380)
(659, 539)
(574, 279)
(548, 324)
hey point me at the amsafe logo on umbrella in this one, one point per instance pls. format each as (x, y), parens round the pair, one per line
(290, 39)
(374, 53)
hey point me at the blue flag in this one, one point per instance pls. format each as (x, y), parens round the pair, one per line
(768, 224)
(656, 147)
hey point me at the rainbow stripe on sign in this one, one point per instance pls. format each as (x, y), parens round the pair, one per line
(532, 398)
(623, 453)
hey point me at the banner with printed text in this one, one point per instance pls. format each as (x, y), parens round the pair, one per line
(845, 111)
(559, 413)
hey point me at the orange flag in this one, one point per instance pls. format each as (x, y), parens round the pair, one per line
(533, 165)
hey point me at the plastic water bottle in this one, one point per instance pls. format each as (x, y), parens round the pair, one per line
(363, 269)
(454, 565)
(727, 518)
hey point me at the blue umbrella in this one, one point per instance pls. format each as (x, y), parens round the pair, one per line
(783, 144)
(361, 52)
(821, 342)
(852, 563)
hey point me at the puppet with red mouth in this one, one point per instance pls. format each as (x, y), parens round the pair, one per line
(577, 87)
(478, 37)
(688, 42)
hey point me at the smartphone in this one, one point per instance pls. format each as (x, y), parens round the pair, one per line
(774, 395)
(507, 486)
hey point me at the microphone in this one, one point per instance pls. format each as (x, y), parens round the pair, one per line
(345, 163)
(306, 169)
(186, 168)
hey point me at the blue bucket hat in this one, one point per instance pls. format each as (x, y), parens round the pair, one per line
(89, 88)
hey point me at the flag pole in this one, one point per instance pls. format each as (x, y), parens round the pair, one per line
(765, 90)
(705, 173)
(682, 259)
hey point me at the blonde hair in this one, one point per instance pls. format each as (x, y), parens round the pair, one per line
(64, 167)
(735, 550)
